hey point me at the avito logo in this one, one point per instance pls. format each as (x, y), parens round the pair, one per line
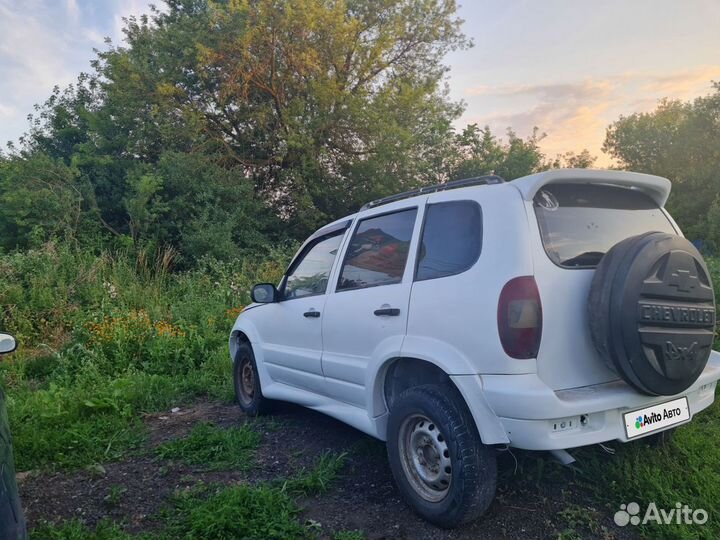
(647, 419)
(630, 514)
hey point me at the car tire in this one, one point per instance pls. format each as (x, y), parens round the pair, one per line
(440, 465)
(651, 310)
(248, 391)
(12, 521)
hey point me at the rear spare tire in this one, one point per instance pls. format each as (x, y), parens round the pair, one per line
(652, 312)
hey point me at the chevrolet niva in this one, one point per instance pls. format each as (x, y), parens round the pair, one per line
(558, 310)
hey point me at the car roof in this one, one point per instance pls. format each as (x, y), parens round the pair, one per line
(656, 187)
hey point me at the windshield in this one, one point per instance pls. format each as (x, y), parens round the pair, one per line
(579, 223)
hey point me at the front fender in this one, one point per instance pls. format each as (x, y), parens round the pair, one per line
(243, 325)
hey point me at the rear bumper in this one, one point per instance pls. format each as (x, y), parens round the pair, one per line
(537, 418)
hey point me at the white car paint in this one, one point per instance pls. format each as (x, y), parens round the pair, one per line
(336, 363)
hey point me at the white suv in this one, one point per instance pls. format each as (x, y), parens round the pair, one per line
(554, 311)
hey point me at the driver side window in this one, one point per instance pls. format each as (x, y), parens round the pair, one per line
(309, 275)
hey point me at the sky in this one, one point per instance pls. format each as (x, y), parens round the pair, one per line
(568, 67)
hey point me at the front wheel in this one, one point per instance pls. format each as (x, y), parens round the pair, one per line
(442, 468)
(247, 383)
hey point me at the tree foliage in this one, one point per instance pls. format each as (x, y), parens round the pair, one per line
(680, 141)
(479, 152)
(217, 126)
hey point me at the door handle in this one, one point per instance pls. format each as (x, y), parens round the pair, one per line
(392, 312)
(311, 313)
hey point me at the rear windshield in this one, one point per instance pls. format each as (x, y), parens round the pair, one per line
(579, 223)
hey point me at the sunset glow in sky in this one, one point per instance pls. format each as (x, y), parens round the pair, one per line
(568, 67)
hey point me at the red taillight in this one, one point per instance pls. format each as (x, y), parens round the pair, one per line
(519, 317)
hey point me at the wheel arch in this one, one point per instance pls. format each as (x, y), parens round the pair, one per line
(237, 337)
(399, 373)
(245, 331)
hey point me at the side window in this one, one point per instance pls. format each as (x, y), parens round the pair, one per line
(309, 276)
(378, 251)
(451, 239)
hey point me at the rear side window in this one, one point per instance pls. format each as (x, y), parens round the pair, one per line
(451, 239)
(579, 223)
(378, 251)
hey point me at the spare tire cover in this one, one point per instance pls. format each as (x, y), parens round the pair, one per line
(652, 312)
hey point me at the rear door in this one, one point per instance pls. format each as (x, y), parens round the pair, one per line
(368, 310)
(574, 225)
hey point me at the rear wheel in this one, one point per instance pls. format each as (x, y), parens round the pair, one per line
(442, 468)
(247, 383)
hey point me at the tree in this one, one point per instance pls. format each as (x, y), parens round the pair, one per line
(479, 152)
(331, 103)
(680, 141)
(571, 160)
(301, 109)
(40, 198)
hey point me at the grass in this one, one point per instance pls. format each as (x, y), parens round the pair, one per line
(349, 535)
(214, 448)
(223, 513)
(247, 512)
(317, 479)
(76, 530)
(262, 512)
(105, 339)
(686, 471)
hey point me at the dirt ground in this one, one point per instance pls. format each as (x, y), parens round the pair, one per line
(536, 498)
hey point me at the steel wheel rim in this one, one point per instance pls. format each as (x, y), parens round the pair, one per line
(247, 382)
(425, 457)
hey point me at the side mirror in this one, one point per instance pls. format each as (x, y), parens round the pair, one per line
(7, 343)
(264, 293)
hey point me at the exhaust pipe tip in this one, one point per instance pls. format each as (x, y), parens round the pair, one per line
(563, 456)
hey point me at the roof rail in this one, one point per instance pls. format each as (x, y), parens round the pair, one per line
(486, 180)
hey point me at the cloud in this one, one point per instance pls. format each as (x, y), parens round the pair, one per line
(578, 90)
(575, 114)
(7, 111)
(683, 84)
(44, 43)
(29, 52)
(571, 114)
(72, 8)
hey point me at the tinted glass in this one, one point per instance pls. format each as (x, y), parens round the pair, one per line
(580, 223)
(310, 275)
(378, 251)
(451, 239)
